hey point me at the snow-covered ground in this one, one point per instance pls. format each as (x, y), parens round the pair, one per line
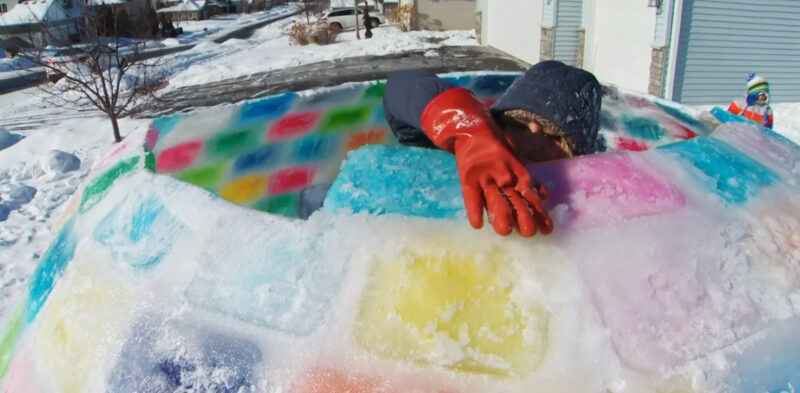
(268, 49)
(194, 32)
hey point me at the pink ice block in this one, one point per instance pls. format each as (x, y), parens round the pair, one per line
(605, 188)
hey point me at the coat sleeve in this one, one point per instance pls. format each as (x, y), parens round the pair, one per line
(406, 96)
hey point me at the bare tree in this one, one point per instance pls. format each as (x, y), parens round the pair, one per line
(313, 8)
(103, 65)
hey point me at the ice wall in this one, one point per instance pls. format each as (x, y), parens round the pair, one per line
(264, 153)
(676, 269)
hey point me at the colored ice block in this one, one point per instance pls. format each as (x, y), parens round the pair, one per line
(671, 290)
(50, 269)
(272, 280)
(762, 144)
(140, 231)
(770, 364)
(231, 144)
(492, 85)
(605, 188)
(168, 357)
(77, 351)
(402, 180)
(99, 186)
(246, 189)
(451, 310)
(178, 157)
(259, 159)
(290, 179)
(293, 125)
(266, 108)
(722, 169)
(584, 192)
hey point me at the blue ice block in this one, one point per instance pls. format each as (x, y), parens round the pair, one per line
(732, 175)
(138, 232)
(50, 269)
(726, 117)
(771, 365)
(178, 359)
(282, 283)
(400, 180)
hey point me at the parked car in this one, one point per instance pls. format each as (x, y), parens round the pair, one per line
(99, 57)
(344, 19)
(68, 55)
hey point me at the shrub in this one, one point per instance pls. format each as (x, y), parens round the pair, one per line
(319, 33)
(403, 16)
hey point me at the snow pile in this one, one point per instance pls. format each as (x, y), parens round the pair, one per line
(38, 175)
(7, 139)
(58, 163)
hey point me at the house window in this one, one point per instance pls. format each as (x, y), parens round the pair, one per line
(3, 7)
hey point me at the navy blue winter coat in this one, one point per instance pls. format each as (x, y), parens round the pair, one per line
(568, 97)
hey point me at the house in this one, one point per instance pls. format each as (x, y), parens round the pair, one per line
(7, 5)
(25, 22)
(194, 10)
(133, 8)
(441, 14)
(691, 51)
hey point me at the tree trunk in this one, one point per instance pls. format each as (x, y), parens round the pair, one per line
(117, 137)
(358, 36)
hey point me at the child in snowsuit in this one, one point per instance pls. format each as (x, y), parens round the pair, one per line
(756, 104)
(551, 112)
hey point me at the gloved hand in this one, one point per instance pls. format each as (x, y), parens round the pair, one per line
(492, 177)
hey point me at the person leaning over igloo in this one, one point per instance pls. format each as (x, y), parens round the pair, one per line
(552, 111)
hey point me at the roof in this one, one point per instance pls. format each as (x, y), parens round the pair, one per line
(188, 5)
(33, 12)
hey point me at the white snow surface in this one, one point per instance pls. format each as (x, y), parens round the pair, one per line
(31, 12)
(38, 175)
(269, 48)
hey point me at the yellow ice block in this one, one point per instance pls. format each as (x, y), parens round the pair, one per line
(452, 310)
(82, 327)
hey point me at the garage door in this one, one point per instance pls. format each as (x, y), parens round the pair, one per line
(721, 41)
(565, 38)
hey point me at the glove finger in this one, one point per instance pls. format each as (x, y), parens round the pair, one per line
(473, 203)
(524, 218)
(500, 214)
(541, 190)
(543, 220)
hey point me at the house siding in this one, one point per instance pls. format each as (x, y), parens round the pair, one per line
(720, 42)
(619, 42)
(514, 27)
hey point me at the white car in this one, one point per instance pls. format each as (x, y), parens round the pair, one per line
(344, 18)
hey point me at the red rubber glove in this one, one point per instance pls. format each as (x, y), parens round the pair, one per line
(492, 177)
